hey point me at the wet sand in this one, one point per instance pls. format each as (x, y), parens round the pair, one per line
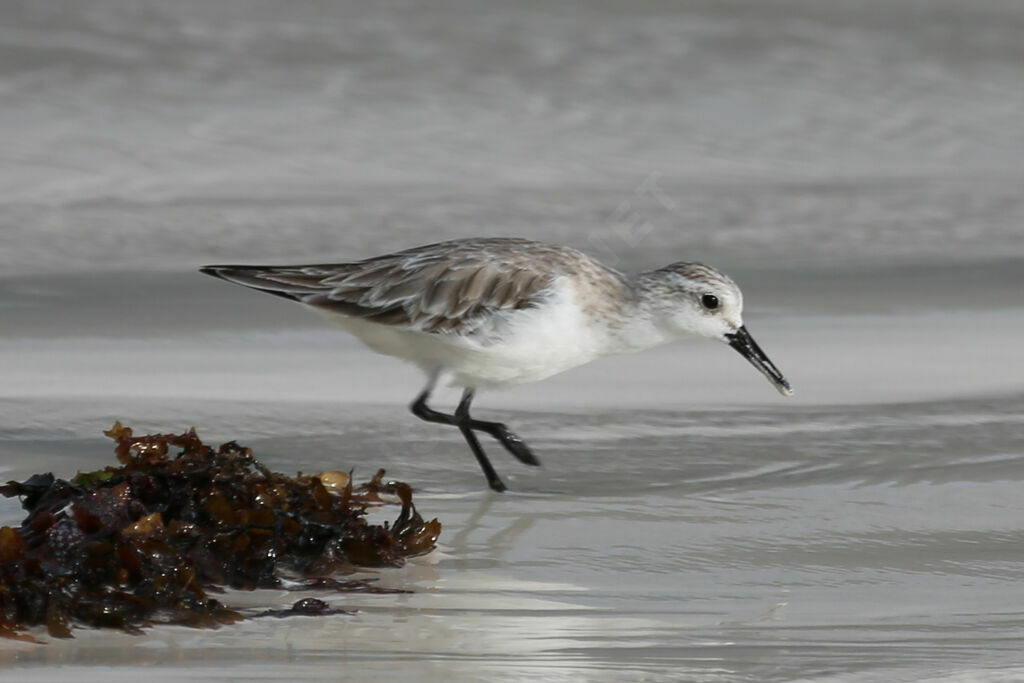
(687, 521)
(856, 166)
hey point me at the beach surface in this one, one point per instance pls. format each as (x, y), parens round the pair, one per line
(855, 167)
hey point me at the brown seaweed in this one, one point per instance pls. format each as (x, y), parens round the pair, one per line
(147, 542)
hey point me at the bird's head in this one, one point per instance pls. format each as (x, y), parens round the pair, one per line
(695, 300)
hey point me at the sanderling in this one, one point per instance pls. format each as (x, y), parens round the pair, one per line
(493, 312)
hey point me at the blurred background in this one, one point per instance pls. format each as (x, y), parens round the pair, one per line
(857, 166)
(146, 135)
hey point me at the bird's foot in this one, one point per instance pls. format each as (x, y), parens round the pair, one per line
(514, 445)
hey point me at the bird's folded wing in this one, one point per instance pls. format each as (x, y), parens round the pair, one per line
(442, 293)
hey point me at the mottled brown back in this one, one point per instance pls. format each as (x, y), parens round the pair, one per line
(446, 287)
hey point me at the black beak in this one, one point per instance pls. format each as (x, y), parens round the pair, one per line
(748, 348)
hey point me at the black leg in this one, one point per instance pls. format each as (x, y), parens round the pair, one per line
(464, 422)
(512, 443)
(421, 410)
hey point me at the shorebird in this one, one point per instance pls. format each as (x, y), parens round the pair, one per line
(492, 312)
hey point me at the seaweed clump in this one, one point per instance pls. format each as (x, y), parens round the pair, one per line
(146, 542)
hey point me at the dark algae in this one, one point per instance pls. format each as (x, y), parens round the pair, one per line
(148, 541)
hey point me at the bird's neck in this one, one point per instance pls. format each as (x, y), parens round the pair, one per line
(637, 324)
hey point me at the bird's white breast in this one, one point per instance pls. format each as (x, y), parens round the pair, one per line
(514, 347)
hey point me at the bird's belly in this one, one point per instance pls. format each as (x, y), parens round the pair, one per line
(519, 364)
(535, 347)
(535, 344)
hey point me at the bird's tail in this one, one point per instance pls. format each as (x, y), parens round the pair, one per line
(297, 283)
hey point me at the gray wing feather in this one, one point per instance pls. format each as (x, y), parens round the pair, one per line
(443, 288)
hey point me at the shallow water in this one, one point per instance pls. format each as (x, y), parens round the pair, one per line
(856, 167)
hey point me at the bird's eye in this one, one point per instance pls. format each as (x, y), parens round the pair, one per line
(709, 301)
